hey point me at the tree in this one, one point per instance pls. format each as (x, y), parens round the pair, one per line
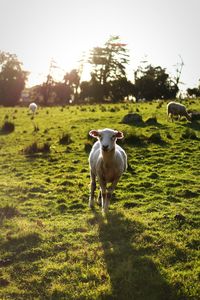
(121, 88)
(154, 83)
(12, 79)
(194, 92)
(72, 80)
(179, 68)
(54, 92)
(63, 92)
(46, 89)
(109, 63)
(92, 90)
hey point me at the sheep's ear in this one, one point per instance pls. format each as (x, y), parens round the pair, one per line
(94, 133)
(119, 135)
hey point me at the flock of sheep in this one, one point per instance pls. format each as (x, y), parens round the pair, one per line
(108, 161)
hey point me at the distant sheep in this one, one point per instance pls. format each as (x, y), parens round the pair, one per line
(177, 109)
(107, 162)
(33, 107)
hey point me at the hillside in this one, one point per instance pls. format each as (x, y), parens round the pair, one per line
(52, 246)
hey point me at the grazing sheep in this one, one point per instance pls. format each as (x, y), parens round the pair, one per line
(177, 109)
(107, 162)
(33, 107)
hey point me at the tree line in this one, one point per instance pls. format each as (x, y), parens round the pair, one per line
(108, 81)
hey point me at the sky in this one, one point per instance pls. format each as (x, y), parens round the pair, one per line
(160, 32)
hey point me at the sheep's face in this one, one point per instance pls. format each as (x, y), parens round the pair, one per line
(107, 138)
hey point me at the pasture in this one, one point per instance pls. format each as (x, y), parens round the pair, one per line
(52, 246)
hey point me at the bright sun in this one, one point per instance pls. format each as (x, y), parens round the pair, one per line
(65, 33)
(57, 59)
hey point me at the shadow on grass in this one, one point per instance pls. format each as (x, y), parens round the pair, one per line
(133, 274)
(192, 125)
(16, 246)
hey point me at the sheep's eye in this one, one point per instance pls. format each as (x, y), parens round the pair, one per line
(114, 136)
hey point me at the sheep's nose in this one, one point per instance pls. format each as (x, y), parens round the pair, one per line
(105, 147)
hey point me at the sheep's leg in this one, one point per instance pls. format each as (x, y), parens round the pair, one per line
(109, 194)
(103, 200)
(92, 189)
(168, 116)
(103, 193)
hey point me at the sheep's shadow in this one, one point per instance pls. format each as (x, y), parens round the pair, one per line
(133, 274)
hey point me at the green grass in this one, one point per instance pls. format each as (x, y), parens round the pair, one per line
(52, 246)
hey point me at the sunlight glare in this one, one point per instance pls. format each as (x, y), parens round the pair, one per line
(65, 58)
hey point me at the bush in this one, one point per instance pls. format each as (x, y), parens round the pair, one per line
(8, 212)
(189, 134)
(151, 121)
(134, 139)
(114, 109)
(65, 139)
(132, 119)
(7, 127)
(36, 148)
(156, 138)
(62, 207)
(102, 108)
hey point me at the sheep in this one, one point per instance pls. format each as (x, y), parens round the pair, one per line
(33, 107)
(107, 162)
(177, 109)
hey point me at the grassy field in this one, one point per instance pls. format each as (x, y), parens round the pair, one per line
(52, 246)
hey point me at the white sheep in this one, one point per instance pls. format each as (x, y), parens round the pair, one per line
(177, 109)
(107, 162)
(33, 107)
